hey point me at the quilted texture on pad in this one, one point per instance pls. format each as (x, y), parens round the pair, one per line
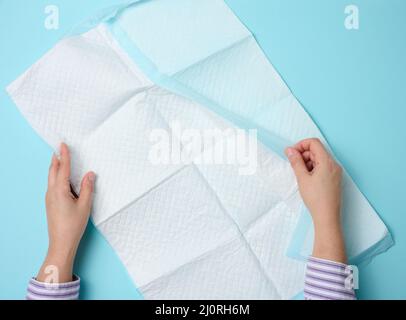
(247, 197)
(118, 151)
(259, 93)
(67, 101)
(173, 231)
(274, 229)
(229, 272)
(201, 253)
(168, 227)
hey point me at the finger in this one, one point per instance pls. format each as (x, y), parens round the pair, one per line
(64, 167)
(309, 165)
(53, 171)
(314, 146)
(297, 163)
(308, 156)
(86, 190)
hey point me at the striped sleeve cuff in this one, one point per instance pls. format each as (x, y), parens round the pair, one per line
(328, 280)
(53, 291)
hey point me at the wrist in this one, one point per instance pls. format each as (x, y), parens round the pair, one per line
(61, 255)
(326, 218)
(58, 265)
(329, 243)
(61, 249)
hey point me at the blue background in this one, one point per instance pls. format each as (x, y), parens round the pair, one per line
(351, 82)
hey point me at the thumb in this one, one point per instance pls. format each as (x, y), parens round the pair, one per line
(86, 190)
(297, 163)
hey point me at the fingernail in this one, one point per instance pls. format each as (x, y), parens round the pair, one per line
(91, 177)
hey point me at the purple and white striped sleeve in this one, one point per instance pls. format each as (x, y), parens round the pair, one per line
(328, 280)
(53, 291)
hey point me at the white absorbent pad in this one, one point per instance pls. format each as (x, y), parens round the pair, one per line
(185, 230)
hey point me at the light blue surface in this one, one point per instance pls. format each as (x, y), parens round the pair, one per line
(349, 81)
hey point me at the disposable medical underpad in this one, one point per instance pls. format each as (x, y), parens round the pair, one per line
(185, 230)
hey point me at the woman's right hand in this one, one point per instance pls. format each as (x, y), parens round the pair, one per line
(319, 180)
